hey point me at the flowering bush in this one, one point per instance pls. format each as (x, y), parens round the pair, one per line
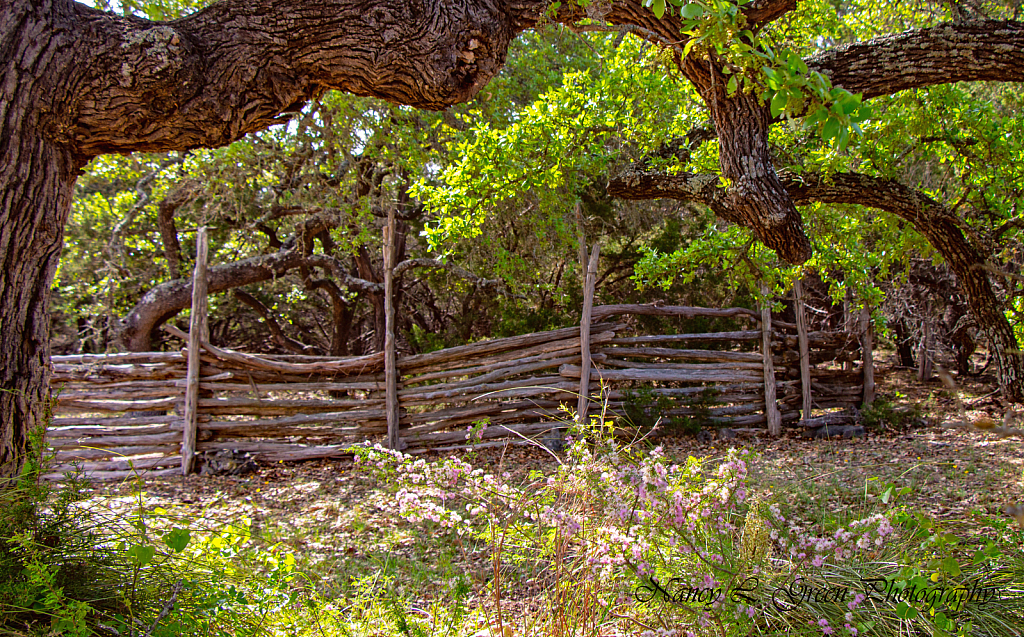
(647, 540)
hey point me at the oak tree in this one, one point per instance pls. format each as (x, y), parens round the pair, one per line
(77, 83)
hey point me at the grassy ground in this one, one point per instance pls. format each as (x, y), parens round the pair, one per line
(338, 524)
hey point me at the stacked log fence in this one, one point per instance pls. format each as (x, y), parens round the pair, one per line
(103, 417)
(119, 414)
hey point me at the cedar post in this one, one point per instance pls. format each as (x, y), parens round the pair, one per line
(867, 355)
(771, 406)
(197, 333)
(924, 351)
(390, 358)
(805, 356)
(588, 308)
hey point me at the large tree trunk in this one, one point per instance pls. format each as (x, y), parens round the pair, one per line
(755, 197)
(32, 215)
(36, 179)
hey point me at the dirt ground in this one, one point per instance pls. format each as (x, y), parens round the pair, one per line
(338, 521)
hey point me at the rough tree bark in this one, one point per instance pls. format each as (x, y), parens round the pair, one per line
(755, 197)
(76, 83)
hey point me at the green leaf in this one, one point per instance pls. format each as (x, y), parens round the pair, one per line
(831, 128)
(906, 611)
(850, 105)
(693, 11)
(658, 6)
(730, 87)
(177, 539)
(844, 138)
(779, 102)
(950, 566)
(142, 554)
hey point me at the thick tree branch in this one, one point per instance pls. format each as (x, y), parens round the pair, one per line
(209, 78)
(233, 68)
(167, 299)
(966, 51)
(638, 185)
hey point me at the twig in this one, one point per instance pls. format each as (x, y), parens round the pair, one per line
(166, 609)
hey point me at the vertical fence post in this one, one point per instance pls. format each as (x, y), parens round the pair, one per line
(197, 332)
(925, 363)
(868, 355)
(805, 353)
(588, 309)
(771, 406)
(390, 357)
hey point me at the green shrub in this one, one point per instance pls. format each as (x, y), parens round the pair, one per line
(71, 567)
(883, 413)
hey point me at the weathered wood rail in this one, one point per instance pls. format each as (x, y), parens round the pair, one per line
(123, 413)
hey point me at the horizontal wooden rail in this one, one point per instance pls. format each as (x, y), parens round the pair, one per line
(120, 413)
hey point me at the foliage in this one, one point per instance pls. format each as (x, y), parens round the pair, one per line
(885, 413)
(621, 531)
(73, 569)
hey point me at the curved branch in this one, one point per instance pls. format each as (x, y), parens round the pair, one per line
(230, 69)
(967, 51)
(167, 299)
(235, 67)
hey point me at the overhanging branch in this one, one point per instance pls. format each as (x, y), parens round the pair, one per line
(984, 50)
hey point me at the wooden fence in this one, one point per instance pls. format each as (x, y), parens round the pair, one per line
(119, 414)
